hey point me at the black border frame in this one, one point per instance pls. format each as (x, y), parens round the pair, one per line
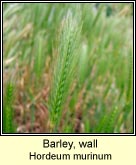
(67, 134)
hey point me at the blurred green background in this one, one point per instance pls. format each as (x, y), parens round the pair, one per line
(101, 96)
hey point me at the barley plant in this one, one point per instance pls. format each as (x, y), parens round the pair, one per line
(8, 124)
(67, 68)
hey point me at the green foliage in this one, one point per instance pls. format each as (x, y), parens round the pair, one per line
(8, 125)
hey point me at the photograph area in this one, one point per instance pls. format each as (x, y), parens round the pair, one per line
(68, 68)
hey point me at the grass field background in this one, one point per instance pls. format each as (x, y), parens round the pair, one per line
(67, 68)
